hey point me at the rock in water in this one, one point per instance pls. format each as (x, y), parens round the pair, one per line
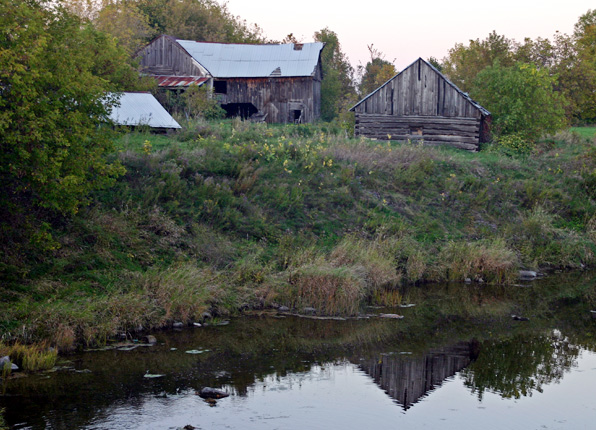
(177, 325)
(392, 316)
(283, 309)
(212, 393)
(150, 339)
(6, 359)
(527, 275)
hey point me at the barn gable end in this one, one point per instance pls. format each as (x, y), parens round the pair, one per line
(420, 103)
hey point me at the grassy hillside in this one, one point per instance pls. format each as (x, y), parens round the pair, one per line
(230, 215)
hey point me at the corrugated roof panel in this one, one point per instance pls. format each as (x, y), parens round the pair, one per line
(141, 109)
(179, 81)
(254, 61)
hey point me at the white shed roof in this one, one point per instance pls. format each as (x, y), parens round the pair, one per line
(141, 109)
(255, 61)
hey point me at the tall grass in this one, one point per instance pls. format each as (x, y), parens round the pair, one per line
(30, 358)
(486, 261)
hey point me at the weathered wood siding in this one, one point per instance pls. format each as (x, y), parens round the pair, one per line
(419, 103)
(278, 97)
(164, 56)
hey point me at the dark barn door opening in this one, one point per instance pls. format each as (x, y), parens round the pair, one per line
(243, 110)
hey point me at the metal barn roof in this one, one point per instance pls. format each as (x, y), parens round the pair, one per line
(255, 61)
(141, 109)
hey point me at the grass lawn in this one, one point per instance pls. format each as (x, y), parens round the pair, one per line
(585, 131)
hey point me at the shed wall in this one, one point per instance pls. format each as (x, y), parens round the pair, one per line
(418, 104)
(277, 97)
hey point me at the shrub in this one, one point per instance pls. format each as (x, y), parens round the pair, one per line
(513, 144)
(199, 102)
(522, 100)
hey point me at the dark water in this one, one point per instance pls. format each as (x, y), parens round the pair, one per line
(456, 360)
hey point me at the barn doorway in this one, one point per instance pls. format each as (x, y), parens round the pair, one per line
(242, 110)
(296, 116)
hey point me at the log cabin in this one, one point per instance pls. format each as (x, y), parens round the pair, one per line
(278, 82)
(421, 104)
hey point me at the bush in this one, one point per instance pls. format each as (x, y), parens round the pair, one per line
(522, 100)
(200, 102)
(513, 144)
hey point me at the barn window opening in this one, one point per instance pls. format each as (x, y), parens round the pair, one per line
(242, 110)
(296, 116)
(220, 87)
(416, 130)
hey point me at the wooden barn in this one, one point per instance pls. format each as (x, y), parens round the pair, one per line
(280, 83)
(420, 103)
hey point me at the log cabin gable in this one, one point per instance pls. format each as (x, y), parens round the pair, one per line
(420, 90)
(420, 103)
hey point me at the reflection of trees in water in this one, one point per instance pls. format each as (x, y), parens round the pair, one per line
(408, 378)
(520, 365)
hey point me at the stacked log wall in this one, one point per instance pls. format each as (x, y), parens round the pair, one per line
(459, 132)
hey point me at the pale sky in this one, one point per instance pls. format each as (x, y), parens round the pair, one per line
(406, 30)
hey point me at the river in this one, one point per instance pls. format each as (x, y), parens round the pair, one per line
(456, 360)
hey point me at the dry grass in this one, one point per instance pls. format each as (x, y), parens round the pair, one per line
(330, 290)
(381, 156)
(489, 261)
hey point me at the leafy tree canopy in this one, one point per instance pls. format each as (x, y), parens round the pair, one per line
(463, 63)
(376, 72)
(337, 88)
(55, 72)
(521, 98)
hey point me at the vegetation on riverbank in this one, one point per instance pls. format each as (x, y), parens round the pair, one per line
(229, 215)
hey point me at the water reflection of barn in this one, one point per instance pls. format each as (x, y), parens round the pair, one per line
(408, 378)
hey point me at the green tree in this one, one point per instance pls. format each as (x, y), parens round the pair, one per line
(125, 21)
(463, 63)
(55, 72)
(202, 20)
(522, 100)
(376, 72)
(436, 63)
(337, 87)
(584, 70)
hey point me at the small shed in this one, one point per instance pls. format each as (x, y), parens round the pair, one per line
(420, 103)
(141, 109)
(280, 82)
